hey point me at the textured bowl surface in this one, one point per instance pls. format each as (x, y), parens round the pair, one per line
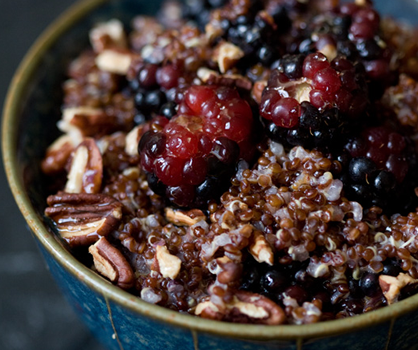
(118, 319)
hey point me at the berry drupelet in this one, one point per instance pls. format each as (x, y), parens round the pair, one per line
(193, 157)
(313, 102)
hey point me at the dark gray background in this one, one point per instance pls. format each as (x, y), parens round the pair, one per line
(33, 313)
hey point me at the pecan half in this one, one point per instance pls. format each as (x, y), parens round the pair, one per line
(167, 264)
(85, 175)
(57, 155)
(184, 218)
(88, 121)
(244, 307)
(67, 124)
(110, 263)
(81, 219)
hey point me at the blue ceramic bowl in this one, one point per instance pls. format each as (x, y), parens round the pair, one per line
(118, 319)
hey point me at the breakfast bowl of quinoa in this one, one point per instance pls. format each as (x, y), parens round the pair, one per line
(225, 174)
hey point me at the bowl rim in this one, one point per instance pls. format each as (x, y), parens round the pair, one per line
(101, 286)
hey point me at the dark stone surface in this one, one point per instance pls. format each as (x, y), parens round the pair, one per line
(33, 313)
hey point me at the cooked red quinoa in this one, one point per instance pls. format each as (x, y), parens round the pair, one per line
(253, 162)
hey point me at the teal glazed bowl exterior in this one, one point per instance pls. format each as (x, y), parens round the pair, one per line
(118, 319)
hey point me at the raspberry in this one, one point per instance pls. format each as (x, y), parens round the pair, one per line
(380, 169)
(313, 102)
(195, 153)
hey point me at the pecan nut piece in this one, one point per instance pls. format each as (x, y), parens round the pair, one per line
(167, 264)
(260, 249)
(115, 61)
(227, 271)
(108, 34)
(391, 286)
(209, 76)
(184, 218)
(85, 175)
(227, 55)
(110, 263)
(132, 140)
(81, 219)
(244, 307)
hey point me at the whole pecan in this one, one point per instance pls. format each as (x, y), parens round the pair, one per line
(110, 263)
(82, 218)
(85, 175)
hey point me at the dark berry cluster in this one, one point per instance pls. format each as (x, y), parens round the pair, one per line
(154, 88)
(192, 159)
(312, 102)
(380, 168)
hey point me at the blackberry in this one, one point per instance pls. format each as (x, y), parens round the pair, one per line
(352, 30)
(380, 168)
(312, 102)
(355, 31)
(257, 28)
(255, 37)
(195, 153)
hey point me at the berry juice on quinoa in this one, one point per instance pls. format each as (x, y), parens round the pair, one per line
(244, 161)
